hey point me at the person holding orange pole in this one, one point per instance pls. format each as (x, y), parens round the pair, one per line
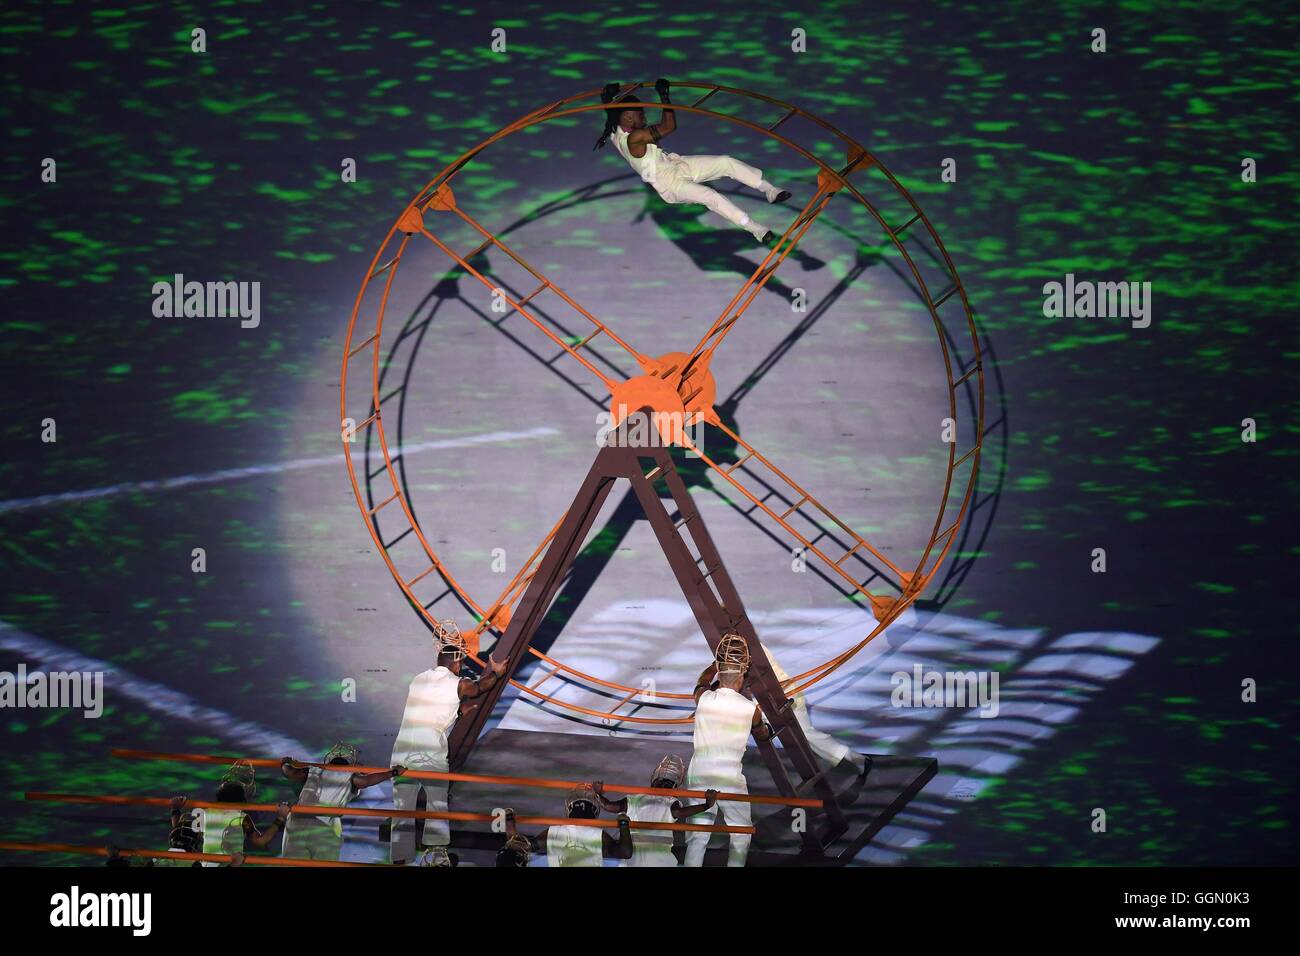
(566, 846)
(227, 831)
(321, 838)
(655, 847)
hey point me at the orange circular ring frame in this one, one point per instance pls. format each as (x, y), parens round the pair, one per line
(436, 196)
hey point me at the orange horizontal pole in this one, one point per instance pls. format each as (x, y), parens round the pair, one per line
(478, 778)
(537, 782)
(249, 860)
(384, 813)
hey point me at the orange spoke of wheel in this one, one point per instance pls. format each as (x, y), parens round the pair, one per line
(489, 779)
(519, 307)
(709, 343)
(492, 239)
(804, 498)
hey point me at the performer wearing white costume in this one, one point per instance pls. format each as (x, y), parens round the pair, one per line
(569, 845)
(224, 831)
(432, 706)
(676, 178)
(321, 838)
(724, 720)
(822, 744)
(655, 847)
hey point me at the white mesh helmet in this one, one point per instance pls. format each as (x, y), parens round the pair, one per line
(241, 772)
(423, 760)
(185, 837)
(450, 640)
(672, 767)
(349, 753)
(583, 792)
(732, 655)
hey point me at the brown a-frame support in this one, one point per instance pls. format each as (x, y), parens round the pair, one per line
(709, 591)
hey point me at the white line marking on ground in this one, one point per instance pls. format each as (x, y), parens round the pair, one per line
(254, 471)
(250, 736)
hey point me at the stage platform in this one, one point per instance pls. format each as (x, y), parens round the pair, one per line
(868, 805)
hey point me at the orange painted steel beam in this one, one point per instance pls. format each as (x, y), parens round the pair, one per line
(805, 498)
(538, 782)
(547, 283)
(382, 813)
(249, 859)
(703, 351)
(518, 307)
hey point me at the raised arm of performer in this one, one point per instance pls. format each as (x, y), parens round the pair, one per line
(708, 678)
(362, 780)
(620, 847)
(667, 116)
(682, 812)
(609, 806)
(261, 839)
(293, 770)
(492, 675)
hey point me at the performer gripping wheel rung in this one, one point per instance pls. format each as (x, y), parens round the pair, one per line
(724, 720)
(677, 178)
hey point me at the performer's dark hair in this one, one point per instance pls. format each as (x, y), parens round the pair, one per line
(230, 792)
(508, 856)
(613, 112)
(588, 811)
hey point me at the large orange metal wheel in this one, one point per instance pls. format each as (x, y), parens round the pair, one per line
(683, 381)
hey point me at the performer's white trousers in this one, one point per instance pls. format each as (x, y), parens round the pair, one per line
(309, 838)
(822, 743)
(680, 181)
(436, 832)
(734, 814)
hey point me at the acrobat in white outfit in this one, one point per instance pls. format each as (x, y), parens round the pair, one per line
(822, 743)
(724, 719)
(677, 178)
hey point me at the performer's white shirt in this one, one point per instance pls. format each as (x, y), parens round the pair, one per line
(723, 720)
(574, 846)
(656, 167)
(432, 704)
(651, 847)
(223, 831)
(327, 788)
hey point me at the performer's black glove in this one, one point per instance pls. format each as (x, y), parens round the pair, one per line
(661, 87)
(611, 91)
